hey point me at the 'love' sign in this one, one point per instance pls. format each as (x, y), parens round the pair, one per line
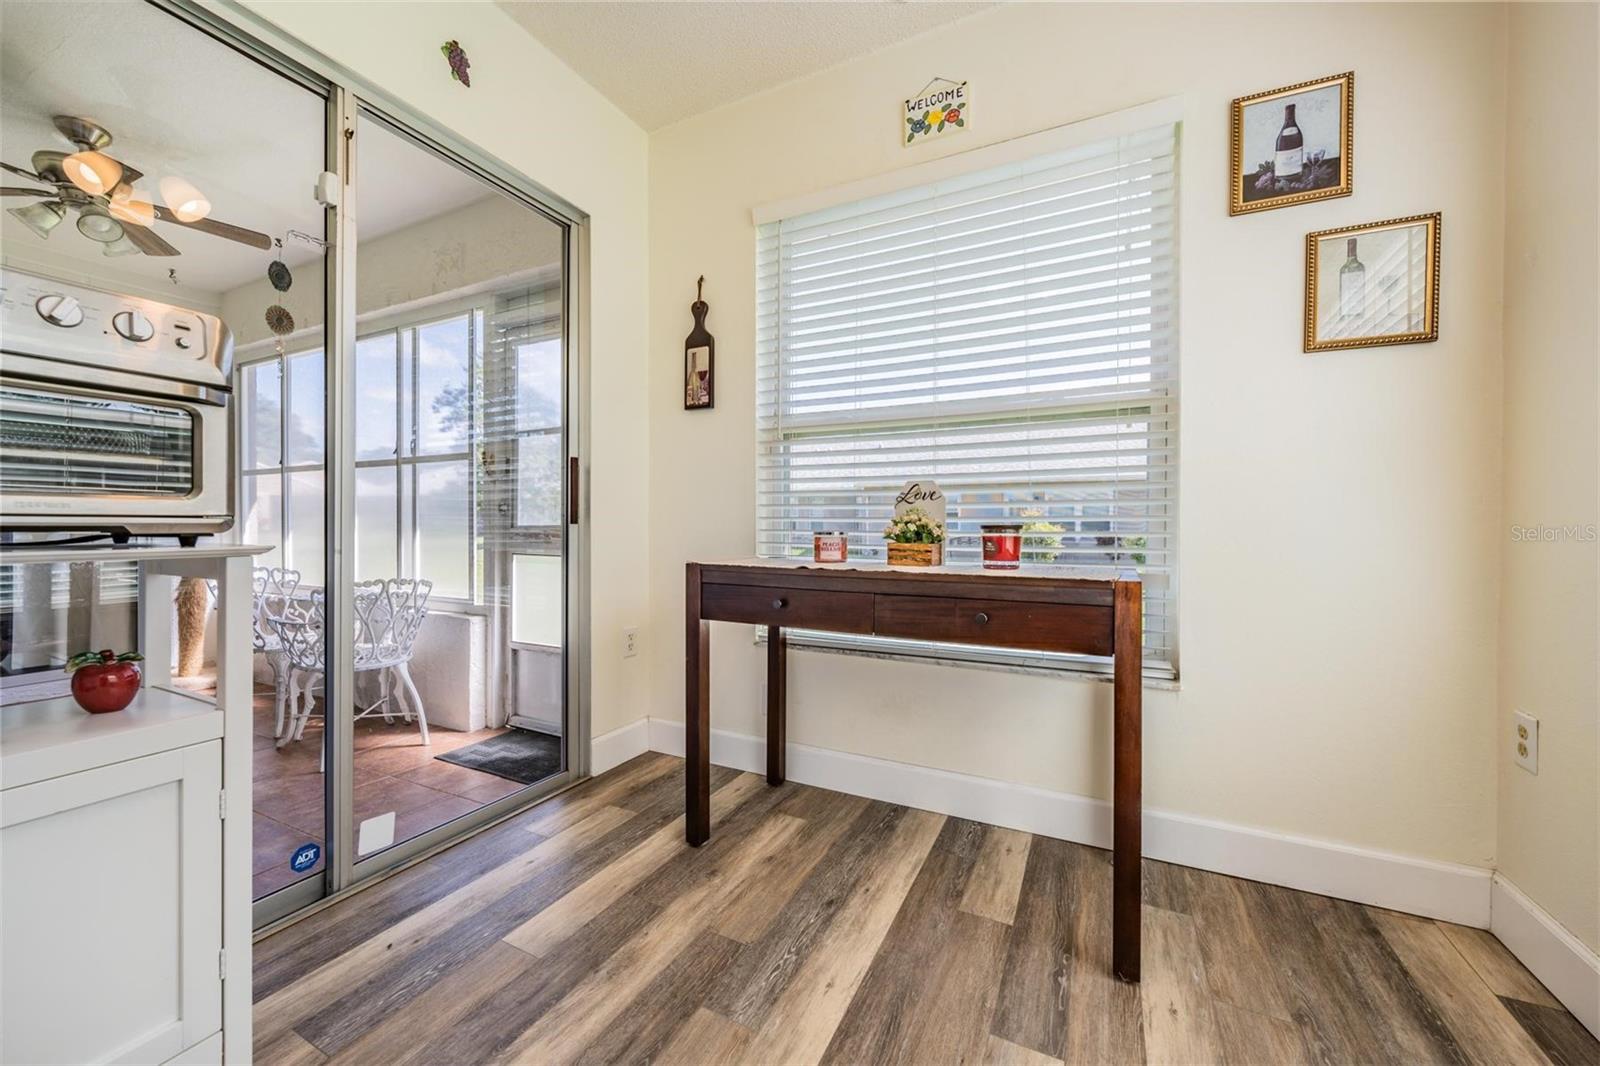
(923, 494)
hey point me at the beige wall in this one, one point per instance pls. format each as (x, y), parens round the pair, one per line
(1340, 513)
(1343, 515)
(585, 150)
(1549, 831)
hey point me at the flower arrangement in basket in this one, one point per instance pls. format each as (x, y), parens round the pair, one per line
(915, 539)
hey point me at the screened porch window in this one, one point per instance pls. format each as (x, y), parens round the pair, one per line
(414, 492)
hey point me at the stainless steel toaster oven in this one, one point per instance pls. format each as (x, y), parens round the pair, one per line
(115, 413)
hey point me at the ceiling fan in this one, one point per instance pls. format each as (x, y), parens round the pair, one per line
(100, 190)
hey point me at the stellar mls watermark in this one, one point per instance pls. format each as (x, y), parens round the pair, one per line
(1543, 534)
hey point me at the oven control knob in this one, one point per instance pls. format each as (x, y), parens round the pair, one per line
(132, 325)
(59, 310)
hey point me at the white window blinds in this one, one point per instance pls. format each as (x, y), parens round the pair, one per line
(1009, 333)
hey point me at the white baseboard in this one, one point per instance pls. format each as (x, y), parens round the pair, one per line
(1397, 882)
(610, 750)
(1566, 965)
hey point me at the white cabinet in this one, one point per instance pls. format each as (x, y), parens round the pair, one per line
(125, 848)
(79, 981)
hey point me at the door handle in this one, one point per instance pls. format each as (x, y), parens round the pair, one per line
(572, 490)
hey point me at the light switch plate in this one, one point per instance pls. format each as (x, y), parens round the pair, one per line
(1525, 741)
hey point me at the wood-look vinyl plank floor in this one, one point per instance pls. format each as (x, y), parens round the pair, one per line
(816, 927)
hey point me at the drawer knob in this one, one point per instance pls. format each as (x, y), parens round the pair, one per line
(777, 605)
(981, 618)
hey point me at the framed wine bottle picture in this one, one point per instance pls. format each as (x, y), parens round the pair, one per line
(1293, 145)
(1373, 284)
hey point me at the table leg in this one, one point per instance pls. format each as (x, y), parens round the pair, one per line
(1127, 771)
(697, 716)
(777, 711)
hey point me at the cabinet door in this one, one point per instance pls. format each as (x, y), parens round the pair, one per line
(111, 911)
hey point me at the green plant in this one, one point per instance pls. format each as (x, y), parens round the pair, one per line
(1041, 549)
(915, 526)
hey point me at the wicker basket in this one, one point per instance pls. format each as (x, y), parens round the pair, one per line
(915, 554)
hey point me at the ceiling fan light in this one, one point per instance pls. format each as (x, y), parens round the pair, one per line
(41, 218)
(95, 224)
(120, 246)
(184, 199)
(138, 212)
(94, 172)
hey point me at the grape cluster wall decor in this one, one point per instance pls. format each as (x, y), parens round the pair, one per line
(458, 62)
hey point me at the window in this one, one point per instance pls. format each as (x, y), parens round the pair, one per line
(1008, 332)
(425, 410)
(280, 484)
(523, 416)
(522, 423)
(413, 485)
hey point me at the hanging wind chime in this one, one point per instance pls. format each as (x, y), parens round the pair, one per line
(279, 320)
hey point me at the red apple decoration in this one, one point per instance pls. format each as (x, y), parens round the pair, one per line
(104, 681)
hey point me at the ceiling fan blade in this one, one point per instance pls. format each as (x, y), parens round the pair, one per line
(12, 190)
(22, 173)
(218, 229)
(148, 242)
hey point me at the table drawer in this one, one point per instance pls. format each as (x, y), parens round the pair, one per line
(839, 612)
(997, 623)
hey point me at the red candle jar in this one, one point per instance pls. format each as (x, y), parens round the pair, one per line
(1002, 547)
(829, 547)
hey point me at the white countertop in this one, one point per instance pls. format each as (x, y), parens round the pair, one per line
(49, 738)
(17, 554)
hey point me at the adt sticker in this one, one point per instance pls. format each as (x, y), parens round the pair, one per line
(305, 857)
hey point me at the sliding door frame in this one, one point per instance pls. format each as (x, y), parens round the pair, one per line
(350, 95)
(351, 868)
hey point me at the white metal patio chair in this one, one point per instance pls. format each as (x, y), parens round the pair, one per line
(274, 591)
(388, 616)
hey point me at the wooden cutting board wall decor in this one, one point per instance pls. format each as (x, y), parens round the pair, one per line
(699, 357)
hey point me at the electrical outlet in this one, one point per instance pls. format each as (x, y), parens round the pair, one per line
(1525, 741)
(630, 642)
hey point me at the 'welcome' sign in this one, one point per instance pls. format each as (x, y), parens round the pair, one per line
(938, 108)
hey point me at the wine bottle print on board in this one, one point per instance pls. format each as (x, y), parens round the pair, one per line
(1352, 285)
(1291, 155)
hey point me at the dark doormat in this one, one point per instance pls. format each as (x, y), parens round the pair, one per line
(517, 754)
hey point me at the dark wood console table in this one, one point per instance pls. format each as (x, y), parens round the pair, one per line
(1041, 608)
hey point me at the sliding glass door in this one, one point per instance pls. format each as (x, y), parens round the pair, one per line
(456, 468)
(433, 420)
(400, 313)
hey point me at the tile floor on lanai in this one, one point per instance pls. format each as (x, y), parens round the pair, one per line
(393, 772)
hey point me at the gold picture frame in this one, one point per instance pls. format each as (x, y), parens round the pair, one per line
(1324, 158)
(1389, 297)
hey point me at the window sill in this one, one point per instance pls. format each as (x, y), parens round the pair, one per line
(1002, 660)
